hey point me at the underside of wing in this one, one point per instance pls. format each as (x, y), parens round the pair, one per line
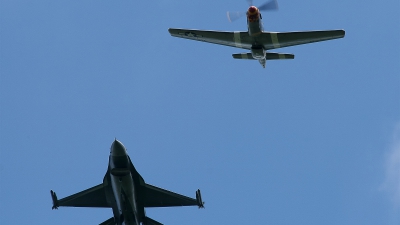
(272, 40)
(92, 197)
(233, 39)
(158, 197)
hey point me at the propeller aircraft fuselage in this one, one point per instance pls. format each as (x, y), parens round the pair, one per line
(255, 28)
(254, 23)
(256, 39)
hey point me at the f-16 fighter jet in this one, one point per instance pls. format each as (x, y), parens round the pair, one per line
(125, 192)
(255, 38)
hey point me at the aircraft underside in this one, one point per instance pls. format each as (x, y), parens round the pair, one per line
(125, 192)
(255, 39)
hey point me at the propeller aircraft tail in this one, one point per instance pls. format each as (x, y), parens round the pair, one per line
(268, 56)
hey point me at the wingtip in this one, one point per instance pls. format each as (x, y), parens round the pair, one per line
(55, 200)
(200, 202)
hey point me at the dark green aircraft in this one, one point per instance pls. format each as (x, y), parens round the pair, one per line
(125, 192)
(255, 39)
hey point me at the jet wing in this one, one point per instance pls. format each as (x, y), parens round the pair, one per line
(158, 197)
(92, 197)
(270, 40)
(234, 39)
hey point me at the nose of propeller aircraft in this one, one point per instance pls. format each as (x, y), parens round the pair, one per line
(252, 10)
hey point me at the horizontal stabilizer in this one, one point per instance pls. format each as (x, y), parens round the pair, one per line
(243, 56)
(149, 221)
(108, 222)
(268, 56)
(272, 55)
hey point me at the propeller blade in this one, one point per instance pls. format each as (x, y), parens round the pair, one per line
(271, 5)
(250, 2)
(232, 16)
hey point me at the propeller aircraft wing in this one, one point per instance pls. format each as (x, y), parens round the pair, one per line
(268, 40)
(233, 39)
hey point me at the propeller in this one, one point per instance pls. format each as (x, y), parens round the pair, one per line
(232, 16)
(268, 6)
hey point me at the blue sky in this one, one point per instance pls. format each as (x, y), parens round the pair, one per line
(314, 140)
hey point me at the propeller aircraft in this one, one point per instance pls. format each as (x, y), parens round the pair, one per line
(255, 38)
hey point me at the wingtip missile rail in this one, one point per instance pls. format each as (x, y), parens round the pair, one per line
(200, 202)
(55, 200)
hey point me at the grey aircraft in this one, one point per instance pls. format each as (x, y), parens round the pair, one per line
(125, 192)
(255, 38)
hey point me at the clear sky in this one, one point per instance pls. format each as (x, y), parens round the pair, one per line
(314, 140)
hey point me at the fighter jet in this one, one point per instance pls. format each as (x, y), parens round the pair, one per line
(255, 38)
(125, 192)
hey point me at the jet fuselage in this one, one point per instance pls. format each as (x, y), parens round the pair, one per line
(123, 186)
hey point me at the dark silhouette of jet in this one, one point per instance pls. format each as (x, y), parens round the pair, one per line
(125, 192)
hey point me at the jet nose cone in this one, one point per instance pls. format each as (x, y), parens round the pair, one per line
(118, 149)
